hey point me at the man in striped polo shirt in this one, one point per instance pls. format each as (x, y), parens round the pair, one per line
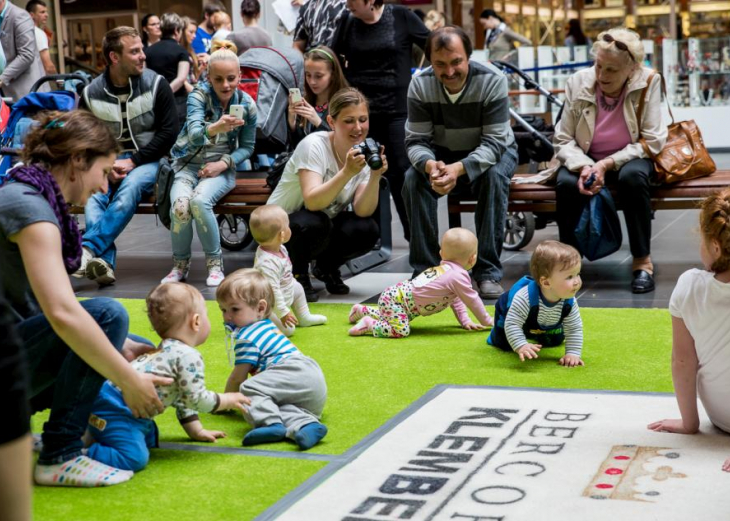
(459, 138)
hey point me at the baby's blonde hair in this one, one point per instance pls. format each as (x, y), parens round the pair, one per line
(715, 225)
(551, 255)
(266, 222)
(169, 305)
(458, 244)
(248, 286)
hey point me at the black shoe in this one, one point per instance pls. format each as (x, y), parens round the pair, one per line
(332, 281)
(311, 294)
(643, 282)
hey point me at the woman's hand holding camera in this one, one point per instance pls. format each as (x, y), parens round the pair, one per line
(225, 124)
(354, 162)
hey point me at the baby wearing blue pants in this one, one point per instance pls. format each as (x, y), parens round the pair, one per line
(179, 316)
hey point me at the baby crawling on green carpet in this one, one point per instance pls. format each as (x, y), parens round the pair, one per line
(542, 307)
(286, 388)
(434, 290)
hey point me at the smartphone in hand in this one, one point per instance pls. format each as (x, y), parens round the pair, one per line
(296, 95)
(237, 111)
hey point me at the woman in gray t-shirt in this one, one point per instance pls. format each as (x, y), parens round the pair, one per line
(71, 346)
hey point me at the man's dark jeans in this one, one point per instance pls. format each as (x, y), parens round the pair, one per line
(491, 190)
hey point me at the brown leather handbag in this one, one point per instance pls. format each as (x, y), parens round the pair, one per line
(684, 156)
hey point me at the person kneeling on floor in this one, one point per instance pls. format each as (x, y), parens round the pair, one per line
(543, 307)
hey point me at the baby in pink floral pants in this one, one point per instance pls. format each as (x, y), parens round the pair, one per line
(445, 285)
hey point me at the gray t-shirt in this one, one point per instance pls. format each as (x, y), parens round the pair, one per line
(250, 37)
(20, 206)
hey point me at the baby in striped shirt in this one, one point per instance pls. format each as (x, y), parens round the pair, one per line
(542, 307)
(286, 388)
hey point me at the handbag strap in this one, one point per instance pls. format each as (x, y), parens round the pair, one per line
(642, 102)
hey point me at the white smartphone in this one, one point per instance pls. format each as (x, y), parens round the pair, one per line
(296, 95)
(237, 111)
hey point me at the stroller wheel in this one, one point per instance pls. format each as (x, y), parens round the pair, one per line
(234, 232)
(519, 227)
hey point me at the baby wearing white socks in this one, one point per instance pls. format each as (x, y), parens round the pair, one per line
(269, 225)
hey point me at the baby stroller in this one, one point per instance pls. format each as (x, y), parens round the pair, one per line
(267, 74)
(23, 111)
(534, 145)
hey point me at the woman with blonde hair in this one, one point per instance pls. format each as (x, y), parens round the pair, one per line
(212, 142)
(597, 140)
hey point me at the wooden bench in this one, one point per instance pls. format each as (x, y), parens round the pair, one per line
(248, 194)
(541, 198)
(524, 199)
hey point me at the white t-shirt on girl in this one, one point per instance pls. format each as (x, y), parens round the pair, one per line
(314, 153)
(703, 303)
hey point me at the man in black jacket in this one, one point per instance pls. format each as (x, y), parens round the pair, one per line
(138, 105)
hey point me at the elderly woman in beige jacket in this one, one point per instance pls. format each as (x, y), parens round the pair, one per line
(598, 136)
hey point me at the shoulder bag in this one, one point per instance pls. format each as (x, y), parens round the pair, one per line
(684, 156)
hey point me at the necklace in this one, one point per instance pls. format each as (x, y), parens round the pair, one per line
(337, 156)
(608, 107)
(605, 105)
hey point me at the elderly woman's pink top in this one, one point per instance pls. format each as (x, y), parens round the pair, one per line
(612, 133)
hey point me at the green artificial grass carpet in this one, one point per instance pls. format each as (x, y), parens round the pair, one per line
(369, 380)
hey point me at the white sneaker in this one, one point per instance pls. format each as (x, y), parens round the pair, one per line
(100, 271)
(215, 273)
(179, 273)
(86, 256)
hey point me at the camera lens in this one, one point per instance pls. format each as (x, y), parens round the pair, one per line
(375, 162)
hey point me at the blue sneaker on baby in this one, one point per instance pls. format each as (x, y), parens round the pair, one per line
(269, 434)
(309, 435)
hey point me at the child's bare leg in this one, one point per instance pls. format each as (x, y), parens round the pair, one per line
(301, 309)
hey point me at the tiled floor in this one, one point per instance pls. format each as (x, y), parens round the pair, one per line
(144, 258)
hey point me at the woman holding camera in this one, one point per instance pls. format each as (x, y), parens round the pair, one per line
(330, 194)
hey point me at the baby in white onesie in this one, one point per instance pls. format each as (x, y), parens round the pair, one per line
(270, 227)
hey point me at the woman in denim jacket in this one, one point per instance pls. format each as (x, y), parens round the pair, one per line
(212, 142)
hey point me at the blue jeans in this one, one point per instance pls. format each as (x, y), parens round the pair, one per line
(193, 199)
(62, 381)
(108, 214)
(491, 190)
(122, 441)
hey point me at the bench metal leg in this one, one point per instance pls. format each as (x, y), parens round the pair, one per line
(383, 217)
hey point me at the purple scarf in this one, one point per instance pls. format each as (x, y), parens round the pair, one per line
(42, 180)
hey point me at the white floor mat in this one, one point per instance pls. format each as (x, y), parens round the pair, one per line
(497, 454)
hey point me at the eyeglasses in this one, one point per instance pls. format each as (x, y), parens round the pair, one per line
(621, 46)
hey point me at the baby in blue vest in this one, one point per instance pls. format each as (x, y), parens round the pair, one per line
(542, 307)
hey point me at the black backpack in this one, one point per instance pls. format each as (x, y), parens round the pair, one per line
(163, 205)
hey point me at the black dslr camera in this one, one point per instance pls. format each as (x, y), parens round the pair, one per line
(371, 150)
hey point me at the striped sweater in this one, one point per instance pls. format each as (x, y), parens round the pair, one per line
(475, 129)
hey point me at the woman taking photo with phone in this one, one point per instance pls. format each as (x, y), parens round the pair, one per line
(218, 134)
